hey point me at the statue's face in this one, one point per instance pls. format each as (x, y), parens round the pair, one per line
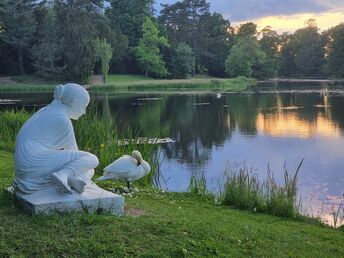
(78, 108)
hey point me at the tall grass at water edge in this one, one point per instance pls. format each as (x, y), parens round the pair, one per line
(242, 189)
(95, 133)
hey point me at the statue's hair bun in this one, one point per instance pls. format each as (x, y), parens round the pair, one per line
(58, 92)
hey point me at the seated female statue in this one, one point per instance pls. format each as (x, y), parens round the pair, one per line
(46, 152)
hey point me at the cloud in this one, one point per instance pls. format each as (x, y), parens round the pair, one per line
(244, 10)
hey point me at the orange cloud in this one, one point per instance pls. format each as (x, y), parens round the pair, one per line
(293, 22)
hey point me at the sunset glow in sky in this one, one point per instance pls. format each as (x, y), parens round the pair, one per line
(282, 15)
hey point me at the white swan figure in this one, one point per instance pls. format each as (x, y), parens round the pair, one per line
(126, 168)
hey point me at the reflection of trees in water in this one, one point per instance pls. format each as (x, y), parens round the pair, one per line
(197, 128)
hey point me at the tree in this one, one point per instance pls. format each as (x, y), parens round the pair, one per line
(76, 26)
(248, 29)
(18, 26)
(217, 40)
(47, 52)
(127, 16)
(104, 51)
(148, 52)
(269, 43)
(335, 51)
(309, 52)
(286, 63)
(302, 53)
(244, 55)
(183, 61)
(182, 21)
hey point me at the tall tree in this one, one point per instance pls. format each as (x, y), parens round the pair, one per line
(18, 26)
(76, 25)
(128, 16)
(309, 52)
(243, 57)
(286, 60)
(335, 51)
(148, 52)
(104, 52)
(182, 20)
(183, 61)
(269, 44)
(217, 40)
(47, 52)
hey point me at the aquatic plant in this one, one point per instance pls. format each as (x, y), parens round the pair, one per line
(242, 189)
(198, 185)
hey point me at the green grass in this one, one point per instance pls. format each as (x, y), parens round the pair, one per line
(173, 225)
(139, 83)
(122, 82)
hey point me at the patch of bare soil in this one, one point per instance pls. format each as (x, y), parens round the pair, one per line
(134, 212)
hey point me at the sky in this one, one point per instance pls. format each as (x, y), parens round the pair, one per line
(282, 15)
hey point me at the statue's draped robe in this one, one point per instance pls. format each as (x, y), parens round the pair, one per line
(44, 145)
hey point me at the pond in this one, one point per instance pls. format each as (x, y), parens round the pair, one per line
(271, 125)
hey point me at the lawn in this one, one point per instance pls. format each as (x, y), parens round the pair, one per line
(159, 224)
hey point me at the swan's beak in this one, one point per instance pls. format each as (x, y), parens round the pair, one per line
(138, 163)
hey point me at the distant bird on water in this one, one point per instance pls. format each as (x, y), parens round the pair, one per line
(127, 168)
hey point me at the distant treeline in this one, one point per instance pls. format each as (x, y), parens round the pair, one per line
(71, 39)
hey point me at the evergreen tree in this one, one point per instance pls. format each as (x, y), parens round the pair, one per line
(76, 25)
(148, 52)
(47, 53)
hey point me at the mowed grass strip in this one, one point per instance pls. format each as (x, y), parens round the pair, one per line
(172, 225)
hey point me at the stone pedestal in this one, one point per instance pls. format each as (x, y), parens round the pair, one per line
(93, 200)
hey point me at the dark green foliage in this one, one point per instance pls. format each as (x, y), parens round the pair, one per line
(18, 27)
(248, 29)
(302, 53)
(47, 52)
(127, 16)
(335, 51)
(183, 61)
(76, 25)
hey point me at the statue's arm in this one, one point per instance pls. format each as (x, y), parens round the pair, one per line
(62, 132)
(70, 139)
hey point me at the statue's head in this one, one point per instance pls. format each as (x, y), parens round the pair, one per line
(74, 97)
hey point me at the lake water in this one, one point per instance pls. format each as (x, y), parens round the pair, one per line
(271, 125)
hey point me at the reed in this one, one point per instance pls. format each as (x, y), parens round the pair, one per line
(242, 189)
(198, 185)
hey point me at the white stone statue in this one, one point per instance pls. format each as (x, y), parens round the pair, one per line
(46, 152)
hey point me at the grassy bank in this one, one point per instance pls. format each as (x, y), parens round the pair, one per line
(131, 83)
(159, 225)
(121, 83)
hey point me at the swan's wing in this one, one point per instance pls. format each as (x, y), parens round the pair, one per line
(121, 166)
